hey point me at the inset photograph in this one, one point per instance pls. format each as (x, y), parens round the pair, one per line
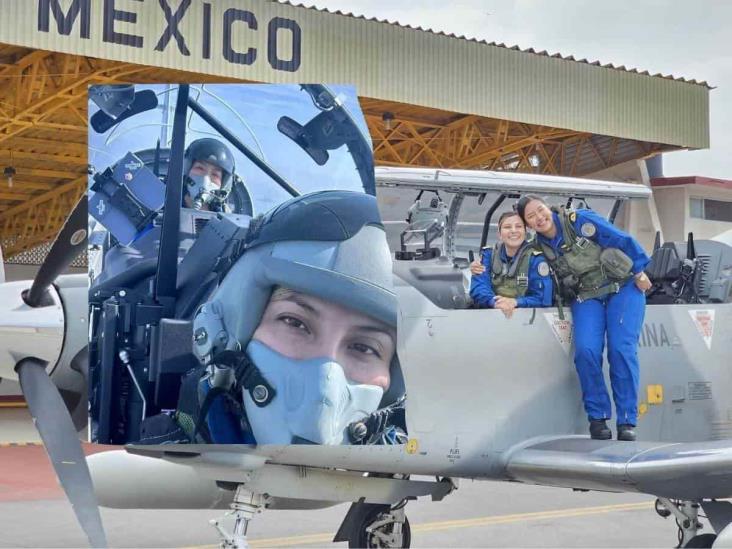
(241, 278)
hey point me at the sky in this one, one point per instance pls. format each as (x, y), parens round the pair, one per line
(252, 115)
(689, 38)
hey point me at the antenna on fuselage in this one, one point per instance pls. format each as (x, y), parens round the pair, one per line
(690, 249)
(657, 241)
(156, 162)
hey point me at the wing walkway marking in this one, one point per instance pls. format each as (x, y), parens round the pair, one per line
(459, 523)
(12, 404)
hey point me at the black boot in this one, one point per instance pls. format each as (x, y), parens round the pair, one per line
(626, 431)
(599, 430)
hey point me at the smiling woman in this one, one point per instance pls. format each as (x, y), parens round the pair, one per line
(513, 274)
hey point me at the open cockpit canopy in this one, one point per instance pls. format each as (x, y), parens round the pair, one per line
(479, 182)
(478, 199)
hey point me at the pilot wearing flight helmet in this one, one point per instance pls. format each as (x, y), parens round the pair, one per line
(299, 341)
(513, 273)
(208, 166)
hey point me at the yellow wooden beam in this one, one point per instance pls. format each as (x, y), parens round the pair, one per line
(59, 97)
(58, 191)
(55, 174)
(39, 219)
(7, 154)
(40, 124)
(15, 197)
(25, 61)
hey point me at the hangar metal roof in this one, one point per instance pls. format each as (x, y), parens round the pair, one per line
(281, 42)
(557, 55)
(429, 99)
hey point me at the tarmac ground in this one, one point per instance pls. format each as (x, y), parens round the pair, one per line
(479, 514)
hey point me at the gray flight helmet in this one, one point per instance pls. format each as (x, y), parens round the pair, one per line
(329, 244)
(215, 152)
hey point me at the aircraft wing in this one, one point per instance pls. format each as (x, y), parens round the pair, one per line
(687, 470)
(296, 472)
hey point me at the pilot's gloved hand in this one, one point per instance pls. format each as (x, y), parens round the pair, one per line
(477, 268)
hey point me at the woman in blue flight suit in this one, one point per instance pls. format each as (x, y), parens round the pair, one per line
(512, 274)
(600, 269)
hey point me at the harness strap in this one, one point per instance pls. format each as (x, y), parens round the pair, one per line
(612, 288)
(518, 261)
(385, 421)
(247, 376)
(496, 263)
(203, 413)
(568, 230)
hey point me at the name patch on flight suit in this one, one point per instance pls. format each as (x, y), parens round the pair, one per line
(588, 230)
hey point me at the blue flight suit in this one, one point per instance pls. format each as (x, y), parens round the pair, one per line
(538, 293)
(619, 315)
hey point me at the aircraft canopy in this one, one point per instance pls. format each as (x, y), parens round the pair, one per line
(477, 181)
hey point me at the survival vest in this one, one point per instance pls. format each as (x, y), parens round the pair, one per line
(511, 280)
(579, 267)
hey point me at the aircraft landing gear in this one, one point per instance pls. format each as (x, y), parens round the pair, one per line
(686, 514)
(380, 526)
(246, 504)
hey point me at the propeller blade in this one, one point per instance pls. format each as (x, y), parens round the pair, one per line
(80, 414)
(69, 242)
(62, 445)
(657, 241)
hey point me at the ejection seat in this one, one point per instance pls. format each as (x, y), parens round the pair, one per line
(427, 221)
(691, 272)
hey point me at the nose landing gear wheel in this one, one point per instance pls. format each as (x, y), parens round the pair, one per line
(382, 528)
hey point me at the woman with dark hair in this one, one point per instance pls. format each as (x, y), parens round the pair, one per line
(600, 271)
(512, 274)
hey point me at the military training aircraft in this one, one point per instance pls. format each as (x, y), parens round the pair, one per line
(489, 398)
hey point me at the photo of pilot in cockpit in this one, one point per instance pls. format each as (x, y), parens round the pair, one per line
(305, 328)
(277, 322)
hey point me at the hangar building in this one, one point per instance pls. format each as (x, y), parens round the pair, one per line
(430, 99)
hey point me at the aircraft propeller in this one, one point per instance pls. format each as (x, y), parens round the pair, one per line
(66, 247)
(50, 414)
